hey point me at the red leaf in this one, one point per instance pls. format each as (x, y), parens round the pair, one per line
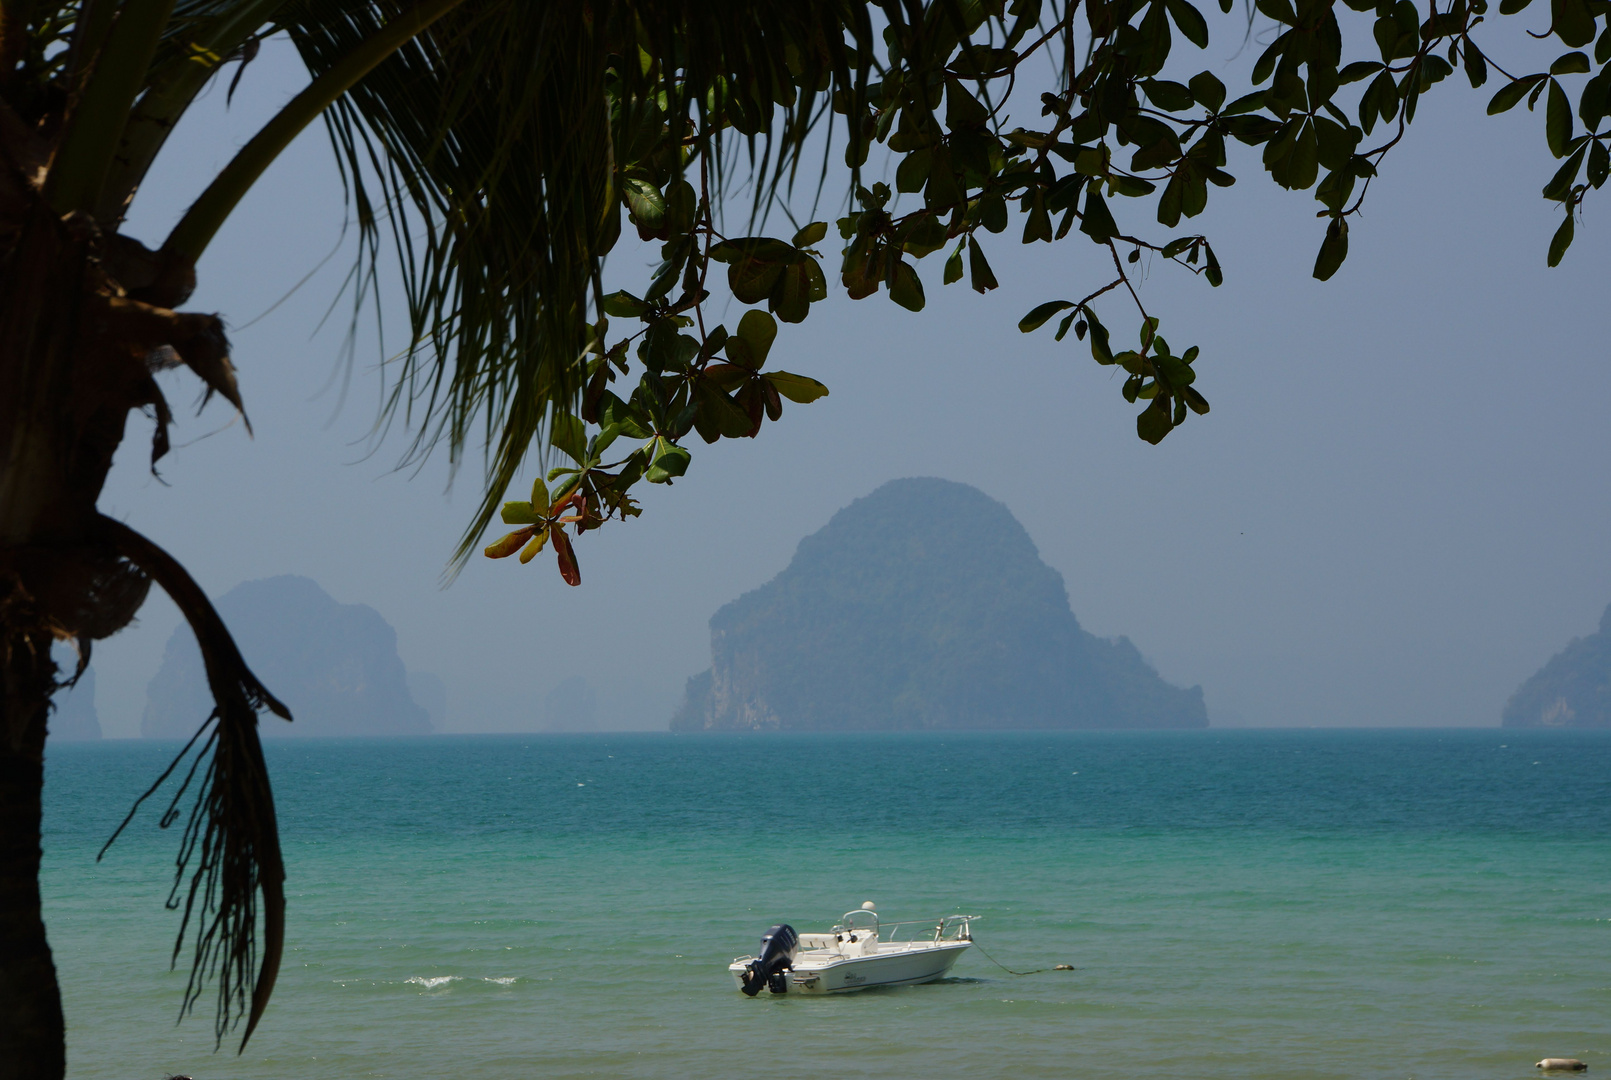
(567, 558)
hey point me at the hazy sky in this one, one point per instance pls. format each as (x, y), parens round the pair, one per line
(1396, 511)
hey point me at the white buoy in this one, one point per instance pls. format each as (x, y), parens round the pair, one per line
(1561, 1064)
(867, 905)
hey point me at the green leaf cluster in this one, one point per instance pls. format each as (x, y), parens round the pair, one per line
(506, 147)
(933, 87)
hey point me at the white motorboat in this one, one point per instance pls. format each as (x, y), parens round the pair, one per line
(857, 954)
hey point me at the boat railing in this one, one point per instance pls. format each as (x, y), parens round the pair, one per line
(948, 928)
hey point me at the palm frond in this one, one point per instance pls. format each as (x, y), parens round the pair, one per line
(229, 854)
(487, 149)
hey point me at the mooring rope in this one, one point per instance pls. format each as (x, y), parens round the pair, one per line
(1010, 971)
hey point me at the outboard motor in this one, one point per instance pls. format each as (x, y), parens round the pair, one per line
(775, 956)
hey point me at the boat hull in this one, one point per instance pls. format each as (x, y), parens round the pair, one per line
(828, 973)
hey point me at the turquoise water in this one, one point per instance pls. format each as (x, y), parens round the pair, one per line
(1304, 904)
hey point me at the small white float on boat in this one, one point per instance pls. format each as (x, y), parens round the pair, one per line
(857, 954)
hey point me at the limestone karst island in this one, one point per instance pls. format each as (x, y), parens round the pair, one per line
(924, 605)
(335, 665)
(1572, 690)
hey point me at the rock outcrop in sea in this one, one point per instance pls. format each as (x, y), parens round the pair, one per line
(1572, 690)
(922, 606)
(334, 665)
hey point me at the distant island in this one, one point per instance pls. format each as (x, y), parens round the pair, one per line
(1572, 690)
(335, 665)
(924, 605)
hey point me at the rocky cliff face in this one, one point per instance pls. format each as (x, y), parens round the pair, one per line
(1572, 690)
(335, 665)
(923, 605)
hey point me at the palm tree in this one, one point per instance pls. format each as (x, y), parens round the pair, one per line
(485, 133)
(491, 148)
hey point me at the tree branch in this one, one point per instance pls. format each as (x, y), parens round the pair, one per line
(207, 214)
(95, 124)
(173, 88)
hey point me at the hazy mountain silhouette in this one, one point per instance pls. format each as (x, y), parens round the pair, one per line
(335, 665)
(1572, 690)
(922, 605)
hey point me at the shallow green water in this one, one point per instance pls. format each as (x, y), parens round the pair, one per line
(1236, 904)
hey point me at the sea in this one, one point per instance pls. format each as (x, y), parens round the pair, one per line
(1232, 904)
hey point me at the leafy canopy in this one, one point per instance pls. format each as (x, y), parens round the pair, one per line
(1128, 133)
(498, 148)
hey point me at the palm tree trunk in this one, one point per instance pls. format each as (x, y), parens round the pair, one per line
(32, 1041)
(60, 422)
(85, 319)
(32, 500)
